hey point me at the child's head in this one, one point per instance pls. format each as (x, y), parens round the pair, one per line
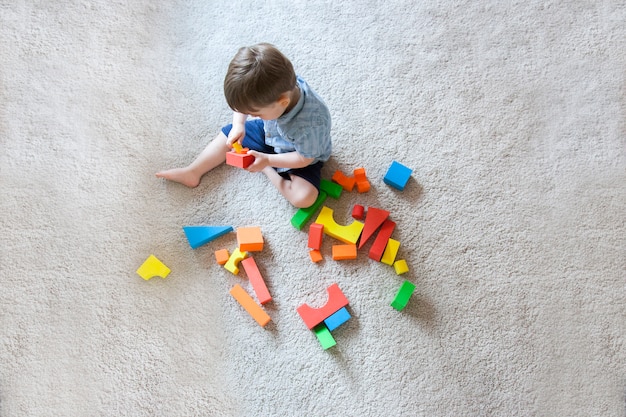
(257, 77)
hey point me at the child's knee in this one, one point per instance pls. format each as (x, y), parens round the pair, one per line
(305, 199)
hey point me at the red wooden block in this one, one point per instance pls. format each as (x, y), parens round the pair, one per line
(316, 232)
(378, 247)
(358, 212)
(256, 279)
(314, 316)
(240, 160)
(374, 219)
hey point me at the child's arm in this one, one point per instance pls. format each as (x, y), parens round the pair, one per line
(238, 131)
(281, 160)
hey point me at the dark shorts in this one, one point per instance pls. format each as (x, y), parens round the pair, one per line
(255, 140)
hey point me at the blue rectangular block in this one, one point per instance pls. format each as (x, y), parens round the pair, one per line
(337, 319)
(397, 175)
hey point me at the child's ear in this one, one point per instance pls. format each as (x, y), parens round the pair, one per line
(284, 100)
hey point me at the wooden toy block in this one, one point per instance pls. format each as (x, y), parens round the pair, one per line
(324, 336)
(153, 267)
(247, 302)
(378, 247)
(362, 183)
(400, 267)
(222, 256)
(337, 319)
(347, 183)
(233, 262)
(404, 294)
(256, 279)
(200, 235)
(316, 232)
(316, 255)
(238, 148)
(239, 160)
(347, 234)
(373, 220)
(314, 316)
(344, 252)
(358, 212)
(250, 239)
(397, 176)
(391, 251)
(333, 190)
(303, 215)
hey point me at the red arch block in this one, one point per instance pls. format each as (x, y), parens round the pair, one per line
(314, 316)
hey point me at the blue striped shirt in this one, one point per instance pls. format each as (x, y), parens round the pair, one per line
(304, 129)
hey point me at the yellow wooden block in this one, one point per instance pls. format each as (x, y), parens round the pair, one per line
(347, 234)
(391, 250)
(401, 267)
(233, 262)
(153, 267)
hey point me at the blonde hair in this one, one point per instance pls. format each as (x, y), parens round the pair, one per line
(256, 77)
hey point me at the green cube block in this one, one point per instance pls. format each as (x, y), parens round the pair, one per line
(404, 294)
(324, 336)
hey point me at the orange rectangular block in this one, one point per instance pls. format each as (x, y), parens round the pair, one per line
(343, 252)
(316, 232)
(222, 256)
(250, 239)
(256, 279)
(249, 305)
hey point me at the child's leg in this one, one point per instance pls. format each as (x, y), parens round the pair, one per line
(298, 191)
(213, 155)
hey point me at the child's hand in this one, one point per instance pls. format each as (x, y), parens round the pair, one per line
(261, 161)
(237, 133)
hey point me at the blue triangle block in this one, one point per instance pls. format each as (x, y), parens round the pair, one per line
(200, 235)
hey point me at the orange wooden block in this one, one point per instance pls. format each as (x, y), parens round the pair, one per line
(250, 305)
(222, 256)
(316, 231)
(316, 255)
(250, 239)
(344, 252)
(362, 183)
(256, 279)
(347, 183)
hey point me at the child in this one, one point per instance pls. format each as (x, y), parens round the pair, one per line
(289, 136)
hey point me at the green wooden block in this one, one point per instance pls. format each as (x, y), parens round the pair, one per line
(331, 188)
(304, 214)
(402, 297)
(324, 336)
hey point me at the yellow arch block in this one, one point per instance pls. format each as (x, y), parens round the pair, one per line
(232, 264)
(347, 234)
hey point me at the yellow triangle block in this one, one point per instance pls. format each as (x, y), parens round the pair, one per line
(153, 267)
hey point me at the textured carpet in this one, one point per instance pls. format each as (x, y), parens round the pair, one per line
(511, 114)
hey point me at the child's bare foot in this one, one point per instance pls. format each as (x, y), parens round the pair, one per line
(184, 176)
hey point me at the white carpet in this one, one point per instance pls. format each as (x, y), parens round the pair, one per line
(511, 113)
